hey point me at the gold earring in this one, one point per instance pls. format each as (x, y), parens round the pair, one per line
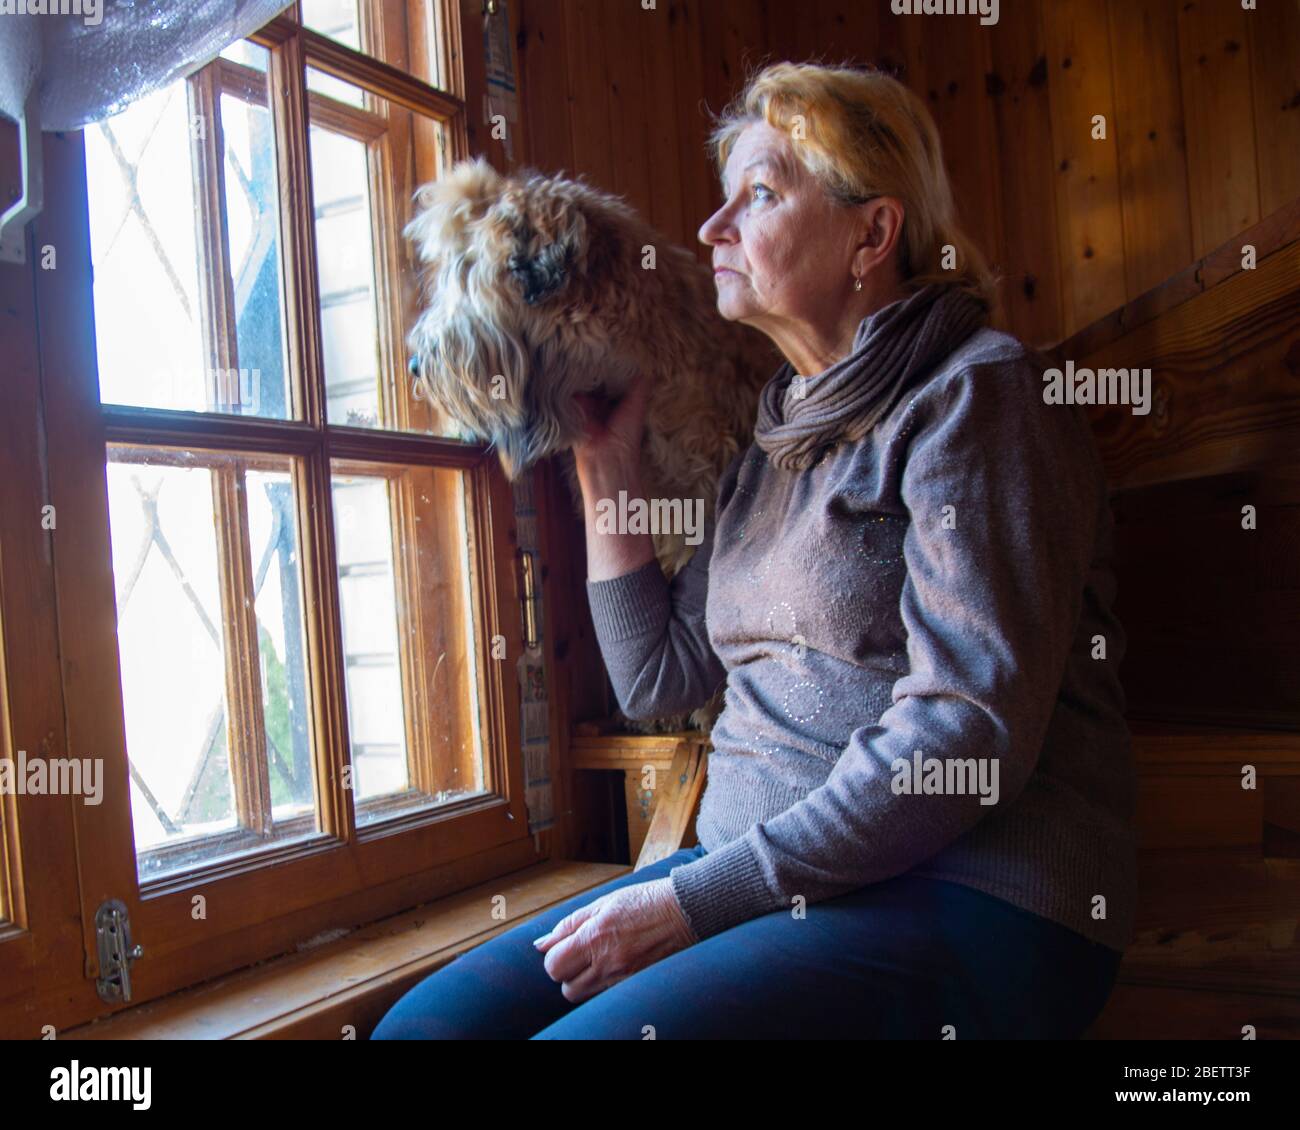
(857, 283)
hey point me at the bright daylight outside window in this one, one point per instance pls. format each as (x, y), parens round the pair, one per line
(191, 285)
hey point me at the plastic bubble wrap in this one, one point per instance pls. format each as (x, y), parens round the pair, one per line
(95, 57)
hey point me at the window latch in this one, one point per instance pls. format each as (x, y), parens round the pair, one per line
(116, 953)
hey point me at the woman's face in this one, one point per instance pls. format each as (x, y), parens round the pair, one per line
(783, 252)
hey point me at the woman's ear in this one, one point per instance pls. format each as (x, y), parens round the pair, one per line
(884, 222)
(881, 231)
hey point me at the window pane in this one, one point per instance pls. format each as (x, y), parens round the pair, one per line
(345, 266)
(400, 37)
(412, 677)
(252, 217)
(146, 263)
(210, 776)
(242, 51)
(364, 169)
(208, 304)
(281, 644)
(335, 18)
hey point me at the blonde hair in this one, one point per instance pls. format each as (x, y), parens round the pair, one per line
(863, 134)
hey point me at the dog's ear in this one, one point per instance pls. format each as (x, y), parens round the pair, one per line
(541, 274)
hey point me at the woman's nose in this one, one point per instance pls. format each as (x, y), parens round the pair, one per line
(713, 230)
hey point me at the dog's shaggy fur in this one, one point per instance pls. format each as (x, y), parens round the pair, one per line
(537, 288)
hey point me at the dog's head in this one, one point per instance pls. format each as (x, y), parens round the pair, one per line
(510, 326)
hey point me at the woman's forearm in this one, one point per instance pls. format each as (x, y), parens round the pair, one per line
(610, 553)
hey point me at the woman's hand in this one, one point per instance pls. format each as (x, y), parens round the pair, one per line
(612, 433)
(613, 937)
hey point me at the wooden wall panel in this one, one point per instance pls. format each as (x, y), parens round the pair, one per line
(1218, 111)
(700, 195)
(1027, 257)
(957, 91)
(587, 34)
(1078, 226)
(631, 109)
(544, 67)
(1152, 148)
(659, 81)
(1275, 77)
(1091, 233)
(795, 33)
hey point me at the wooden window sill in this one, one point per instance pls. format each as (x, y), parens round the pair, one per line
(351, 980)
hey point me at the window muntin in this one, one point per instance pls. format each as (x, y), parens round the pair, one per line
(214, 648)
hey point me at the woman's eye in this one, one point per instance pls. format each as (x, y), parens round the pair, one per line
(761, 188)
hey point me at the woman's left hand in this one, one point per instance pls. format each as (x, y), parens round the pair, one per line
(613, 937)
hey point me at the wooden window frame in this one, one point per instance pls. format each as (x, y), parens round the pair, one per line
(344, 875)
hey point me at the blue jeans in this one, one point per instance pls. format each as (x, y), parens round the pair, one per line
(898, 959)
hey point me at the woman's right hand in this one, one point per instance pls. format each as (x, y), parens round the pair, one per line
(608, 459)
(612, 431)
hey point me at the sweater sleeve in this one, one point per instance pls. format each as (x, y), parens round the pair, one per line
(653, 637)
(990, 603)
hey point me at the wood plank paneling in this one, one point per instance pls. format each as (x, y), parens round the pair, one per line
(957, 90)
(1027, 256)
(630, 108)
(544, 85)
(1087, 177)
(1223, 178)
(700, 194)
(588, 108)
(1149, 133)
(847, 30)
(1275, 77)
(794, 32)
(1078, 226)
(666, 206)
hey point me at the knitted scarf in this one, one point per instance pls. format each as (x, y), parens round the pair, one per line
(892, 349)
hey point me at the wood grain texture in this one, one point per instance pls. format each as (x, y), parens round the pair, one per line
(544, 89)
(586, 33)
(1090, 229)
(1027, 256)
(1218, 108)
(1274, 32)
(1225, 375)
(1152, 150)
(352, 981)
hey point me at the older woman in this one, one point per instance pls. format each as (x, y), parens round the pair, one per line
(918, 814)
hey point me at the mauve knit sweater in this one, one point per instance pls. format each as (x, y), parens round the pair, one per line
(943, 585)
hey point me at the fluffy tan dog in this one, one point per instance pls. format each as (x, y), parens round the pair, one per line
(537, 288)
